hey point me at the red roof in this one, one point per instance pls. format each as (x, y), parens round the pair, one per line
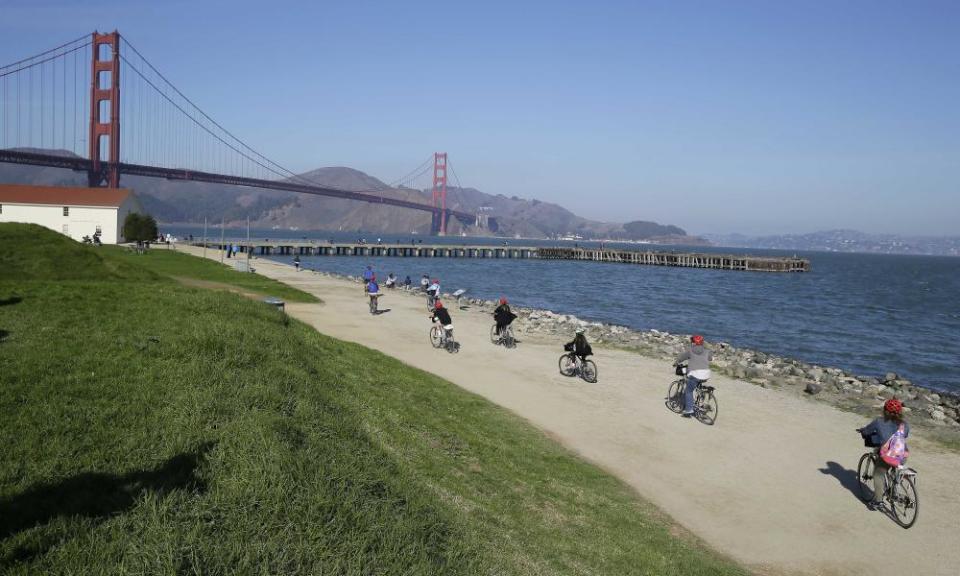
(62, 195)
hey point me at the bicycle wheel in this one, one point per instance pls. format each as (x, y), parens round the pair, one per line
(675, 395)
(706, 408)
(567, 365)
(508, 340)
(494, 337)
(865, 470)
(589, 371)
(436, 337)
(904, 500)
(373, 305)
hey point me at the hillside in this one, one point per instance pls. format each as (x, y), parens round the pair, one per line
(188, 202)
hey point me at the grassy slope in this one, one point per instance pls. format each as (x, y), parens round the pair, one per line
(147, 427)
(172, 263)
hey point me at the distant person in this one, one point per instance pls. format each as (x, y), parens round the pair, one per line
(503, 316)
(433, 291)
(424, 283)
(888, 434)
(391, 281)
(296, 262)
(698, 357)
(579, 345)
(442, 315)
(229, 250)
(368, 273)
(407, 282)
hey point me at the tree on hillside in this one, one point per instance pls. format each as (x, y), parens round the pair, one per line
(139, 227)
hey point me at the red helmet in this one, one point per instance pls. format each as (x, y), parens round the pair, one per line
(503, 300)
(697, 339)
(893, 406)
(438, 304)
(436, 281)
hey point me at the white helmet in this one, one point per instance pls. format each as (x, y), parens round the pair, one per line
(579, 331)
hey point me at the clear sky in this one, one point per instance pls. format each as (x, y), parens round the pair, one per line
(766, 116)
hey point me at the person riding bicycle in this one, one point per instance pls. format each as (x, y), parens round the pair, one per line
(579, 345)
(372, 288)
(441, 315)
(433, 291)
(876, 434)
(368, 274)
(503, 316)
(407, 282)
(424, 283)
(698, 358)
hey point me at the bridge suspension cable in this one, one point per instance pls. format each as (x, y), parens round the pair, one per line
(38, 104)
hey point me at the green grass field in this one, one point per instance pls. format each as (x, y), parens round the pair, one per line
(147, 427)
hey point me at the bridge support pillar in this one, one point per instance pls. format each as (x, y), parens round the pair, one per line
(105, 112)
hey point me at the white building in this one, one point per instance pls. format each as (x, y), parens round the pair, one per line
(75, 212)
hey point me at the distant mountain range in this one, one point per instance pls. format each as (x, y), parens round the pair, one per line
(846, 241)
(190, 202)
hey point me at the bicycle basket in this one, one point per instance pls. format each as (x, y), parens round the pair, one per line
(680, 370)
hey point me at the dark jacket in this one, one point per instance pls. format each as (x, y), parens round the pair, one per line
(579, 346)
(880, 430)
(502, 315)
(442, 315)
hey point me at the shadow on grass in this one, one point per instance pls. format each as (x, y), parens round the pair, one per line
(95, 495)
(10, 301)
(847, 478)
(3, 335)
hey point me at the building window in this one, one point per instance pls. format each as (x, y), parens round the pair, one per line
(66, 210)
(1, 208)
(99, 231)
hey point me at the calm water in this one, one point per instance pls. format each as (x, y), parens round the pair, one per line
(866, 313)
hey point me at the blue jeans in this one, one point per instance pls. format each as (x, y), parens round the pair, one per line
(692, 384)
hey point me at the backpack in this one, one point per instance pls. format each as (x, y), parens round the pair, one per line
(894, 451)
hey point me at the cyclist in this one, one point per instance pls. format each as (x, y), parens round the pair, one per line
(372, 289)
(441, 315)
(503, 316)
(368, 274)
(296, 262)
(407, 282)
(424, 283)
(698, 358)
(433, 291)
(579, 345)
(875, 434)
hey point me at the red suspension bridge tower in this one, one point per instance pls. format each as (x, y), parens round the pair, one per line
(105, 111)
(439, 224)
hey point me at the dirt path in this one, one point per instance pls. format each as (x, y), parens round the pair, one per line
(770, 485)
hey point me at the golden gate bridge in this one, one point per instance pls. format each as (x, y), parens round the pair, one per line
(72, 106)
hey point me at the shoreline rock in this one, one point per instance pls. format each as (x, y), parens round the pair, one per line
(859, 393)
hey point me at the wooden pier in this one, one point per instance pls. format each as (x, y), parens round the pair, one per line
(647, 257)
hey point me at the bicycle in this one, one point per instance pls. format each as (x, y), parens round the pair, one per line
(505, 337)
(440, 337)
(373, 303)
(705, 405)
(899, 488)
(571, 365)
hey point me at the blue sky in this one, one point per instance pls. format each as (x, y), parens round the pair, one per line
(718, 116)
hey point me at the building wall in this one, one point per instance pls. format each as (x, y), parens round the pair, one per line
(79, 222)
